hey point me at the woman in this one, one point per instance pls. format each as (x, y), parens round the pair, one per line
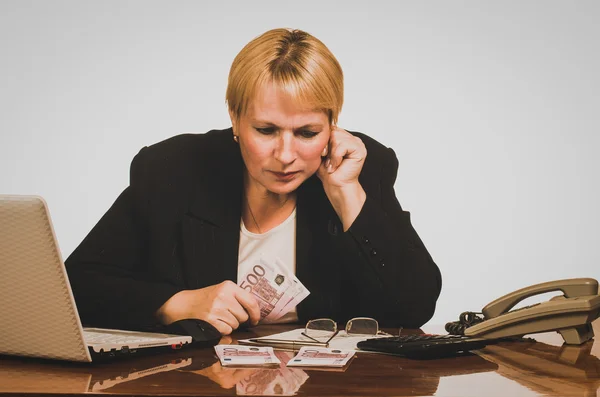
(284, 182)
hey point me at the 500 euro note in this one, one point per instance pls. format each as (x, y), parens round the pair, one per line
(267, 284)
(245, 355)
(295, 294)
(321, 357)
(276, 288)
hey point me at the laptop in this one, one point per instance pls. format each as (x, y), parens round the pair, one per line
(38, 315)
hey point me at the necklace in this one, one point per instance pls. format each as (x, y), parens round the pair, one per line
(253, 218)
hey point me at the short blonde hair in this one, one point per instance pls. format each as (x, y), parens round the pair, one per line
(298, 63)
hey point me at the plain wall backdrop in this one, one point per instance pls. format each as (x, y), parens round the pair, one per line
(492, 108)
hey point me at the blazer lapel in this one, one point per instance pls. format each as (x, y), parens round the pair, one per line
(211, 228)
(317, 224)
(304, 238)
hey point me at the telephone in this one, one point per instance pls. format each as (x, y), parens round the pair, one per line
(570, 314)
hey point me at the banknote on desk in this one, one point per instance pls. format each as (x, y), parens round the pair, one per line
(230, 355)
(313, 356)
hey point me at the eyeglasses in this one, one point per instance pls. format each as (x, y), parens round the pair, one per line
(325, 328)
(321, 331)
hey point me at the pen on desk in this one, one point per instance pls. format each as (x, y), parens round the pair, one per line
(285, 343)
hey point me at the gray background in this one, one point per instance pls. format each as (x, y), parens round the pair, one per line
(491, 107)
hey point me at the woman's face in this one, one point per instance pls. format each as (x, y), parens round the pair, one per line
(281, 142)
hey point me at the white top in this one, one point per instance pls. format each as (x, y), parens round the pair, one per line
(279, 242)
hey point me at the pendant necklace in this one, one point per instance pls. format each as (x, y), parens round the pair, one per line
(253, 218)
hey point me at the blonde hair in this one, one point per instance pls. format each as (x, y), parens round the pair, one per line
(298, 63)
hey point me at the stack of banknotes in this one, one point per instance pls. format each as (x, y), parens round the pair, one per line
(276, 288)
(307, 356)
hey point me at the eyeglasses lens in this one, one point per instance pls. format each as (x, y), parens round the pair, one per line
(321, 328)
(362, 326)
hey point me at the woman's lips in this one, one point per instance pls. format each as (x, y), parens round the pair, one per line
(285, 176)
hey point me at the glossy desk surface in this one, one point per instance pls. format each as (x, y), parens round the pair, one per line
(528, 368)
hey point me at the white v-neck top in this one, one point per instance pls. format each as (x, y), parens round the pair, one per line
(277, 243)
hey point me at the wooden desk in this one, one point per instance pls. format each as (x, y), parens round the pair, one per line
(517, 369)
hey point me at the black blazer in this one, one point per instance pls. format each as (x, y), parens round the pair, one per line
(177, 226)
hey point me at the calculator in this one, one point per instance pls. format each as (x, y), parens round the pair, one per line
(425, 346)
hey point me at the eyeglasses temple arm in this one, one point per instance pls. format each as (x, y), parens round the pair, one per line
(311, 338)
(332, 336)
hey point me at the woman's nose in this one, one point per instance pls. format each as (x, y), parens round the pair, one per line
(285, 152)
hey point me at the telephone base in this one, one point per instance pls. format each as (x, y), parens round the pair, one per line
(577, 335)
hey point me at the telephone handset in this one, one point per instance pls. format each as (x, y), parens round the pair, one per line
(570, 314)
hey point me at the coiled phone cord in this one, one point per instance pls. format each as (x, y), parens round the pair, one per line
(465, 320)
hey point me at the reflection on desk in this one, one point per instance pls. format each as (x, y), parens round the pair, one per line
(281, 381)
(41, 376)
(202, 374)
(34, 377)
(524, 368)
(139, 373)
(385, 372)
(566, 370)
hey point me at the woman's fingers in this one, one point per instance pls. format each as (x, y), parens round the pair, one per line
(224, 305)
(235, 306)
(249, 305)
(222, 326)
(343, 146)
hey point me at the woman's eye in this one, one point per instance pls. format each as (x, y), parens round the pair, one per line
(308, 134)
(266, 130)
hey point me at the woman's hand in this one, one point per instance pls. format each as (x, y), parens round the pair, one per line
(342, 162)
(223, 305)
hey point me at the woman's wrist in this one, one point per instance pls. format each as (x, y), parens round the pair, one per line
(171, 310)
(347, 201)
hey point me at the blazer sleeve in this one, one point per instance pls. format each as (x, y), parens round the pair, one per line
(395, 279)
(108, 270)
